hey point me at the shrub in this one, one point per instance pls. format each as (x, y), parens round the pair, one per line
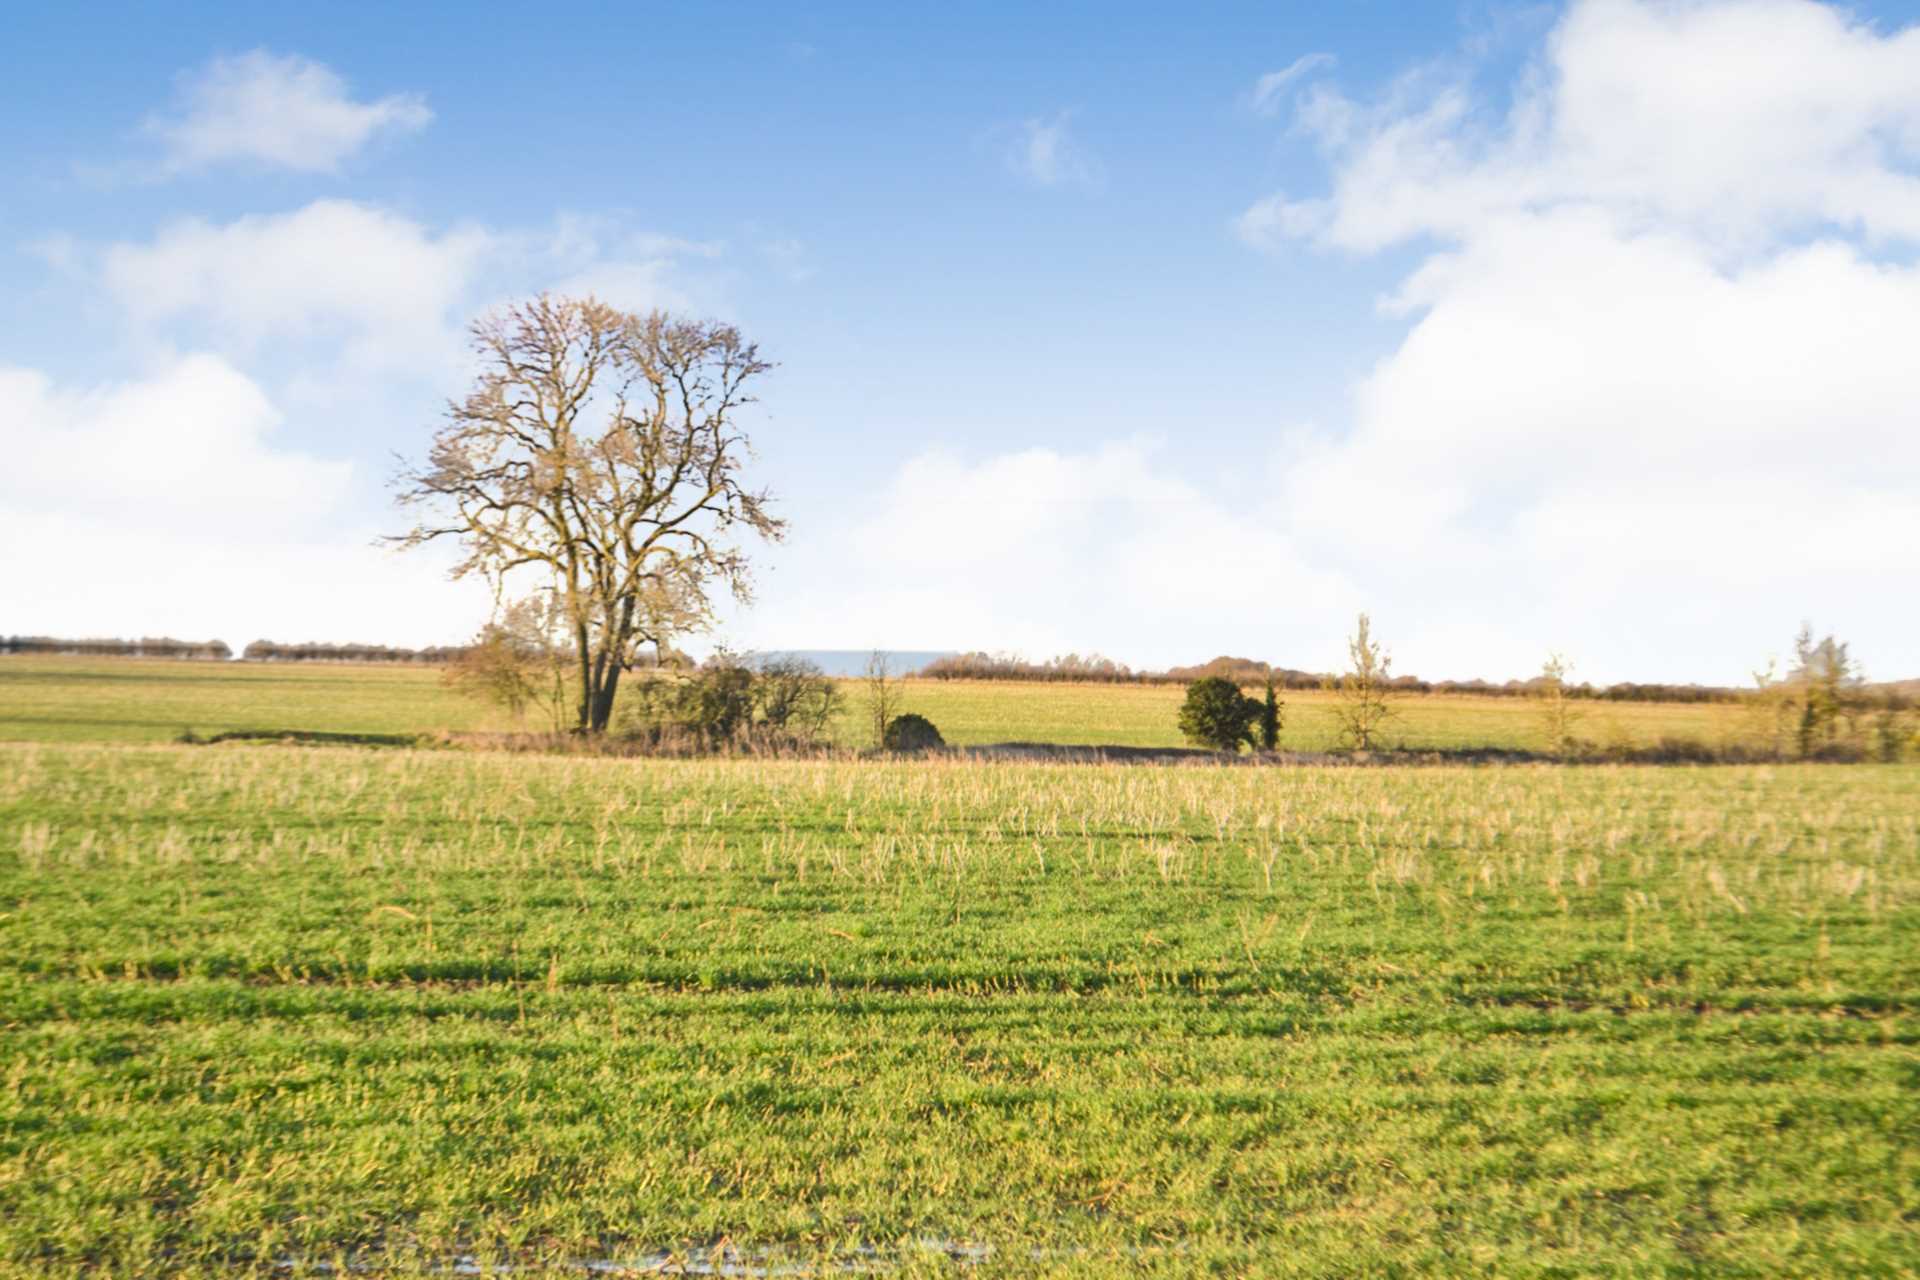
(783, 703)
(795, 696)
(1216, 714)
(1272, 712)
(496, 670)
(911, 732)
(1890, 730)
(1681, 749)
(713, 705)
(718, 700)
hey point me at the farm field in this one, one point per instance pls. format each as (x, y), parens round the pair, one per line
(268, 1008)
(138, 700)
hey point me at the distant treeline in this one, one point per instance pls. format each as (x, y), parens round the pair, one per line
(264, 651)
(436, 656)
(1247, 671)
(144, 647)
(270, 651)
(1074, 667)
(1001, 666)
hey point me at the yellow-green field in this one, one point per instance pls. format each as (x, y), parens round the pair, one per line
(271, 1010)
(130, 700)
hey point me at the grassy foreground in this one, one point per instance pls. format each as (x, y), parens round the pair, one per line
(268, 1004)
(46, 699)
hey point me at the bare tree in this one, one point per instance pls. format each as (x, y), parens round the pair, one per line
(1363, 693)
(793, 695)
(1558, 715)
(1769, 710)
(883, 695)
(601, 449)
(1827, 681)
(492, 670)
(519, 659)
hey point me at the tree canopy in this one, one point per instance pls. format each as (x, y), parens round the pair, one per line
(1216, 714)
(601, 451)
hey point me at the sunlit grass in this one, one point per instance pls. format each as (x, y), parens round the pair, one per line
(265, 1003)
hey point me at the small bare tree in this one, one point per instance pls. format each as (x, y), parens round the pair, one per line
(1768, 711)
(519, 660)
(1558, 714)
(492, 670)
(792, 695)
(1364, 693)
(883, 696)
(601, 449)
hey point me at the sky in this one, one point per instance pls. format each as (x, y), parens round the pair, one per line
(1586, 329)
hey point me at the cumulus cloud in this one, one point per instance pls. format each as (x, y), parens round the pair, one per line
(1655, 401)
(172, 500)
(1738, 121)
(192, 438)
(1656, 397)
(362, 291)
(283, 112)
(635, 270)
(383, 284)
(1044, 151)
(1044, 551)
(170, 503)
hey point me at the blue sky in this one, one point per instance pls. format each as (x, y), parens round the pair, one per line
(1478, 320)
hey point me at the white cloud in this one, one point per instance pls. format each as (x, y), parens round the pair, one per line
(361, 292)
(169, 504)
(285, 112)
(1589, 437)
(385, 286)
(1737, 121)
(173, 500)
(191, 440)
(638, 271)
(1045, 153)
(1264, 98)
(1658, 397)
(1045, 552)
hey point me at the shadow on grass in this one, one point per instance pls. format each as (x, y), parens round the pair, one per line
(301, 736)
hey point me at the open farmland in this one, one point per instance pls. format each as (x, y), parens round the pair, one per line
(138, 700)
(284, 1005)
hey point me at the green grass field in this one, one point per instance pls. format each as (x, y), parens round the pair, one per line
(282, 1010)
(131, 700)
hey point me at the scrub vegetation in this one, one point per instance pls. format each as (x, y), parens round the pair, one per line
(279, 1007)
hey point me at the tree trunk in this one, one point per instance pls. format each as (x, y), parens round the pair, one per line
(607, 668)
(586, 678)
(603, 698)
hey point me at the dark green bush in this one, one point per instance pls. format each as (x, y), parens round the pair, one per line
(1216, 714)
(911, 732)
